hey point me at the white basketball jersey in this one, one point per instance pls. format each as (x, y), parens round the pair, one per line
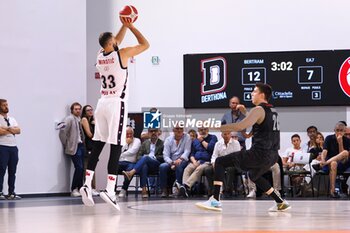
(113, 75)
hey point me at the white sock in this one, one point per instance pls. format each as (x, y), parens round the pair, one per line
(88, 177)
(111, 180)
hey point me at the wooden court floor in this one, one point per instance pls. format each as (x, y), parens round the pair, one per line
(67, 214)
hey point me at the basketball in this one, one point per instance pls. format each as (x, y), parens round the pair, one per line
(129, 12)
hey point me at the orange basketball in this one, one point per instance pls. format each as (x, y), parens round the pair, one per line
(129, 12)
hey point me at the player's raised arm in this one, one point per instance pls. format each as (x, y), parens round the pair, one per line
(120, 35)
(256, 115)
(128, 52)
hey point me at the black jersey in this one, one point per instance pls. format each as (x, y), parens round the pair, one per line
(266, 136)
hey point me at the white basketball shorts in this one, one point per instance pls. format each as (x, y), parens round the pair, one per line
(110, 121)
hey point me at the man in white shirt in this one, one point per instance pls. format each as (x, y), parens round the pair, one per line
(224, 146)
(287, 160)
(287, 157)
(8, 150)
(128, 157)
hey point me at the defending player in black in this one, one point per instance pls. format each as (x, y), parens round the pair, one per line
(260, 157)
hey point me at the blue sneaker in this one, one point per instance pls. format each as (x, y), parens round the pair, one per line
(211, 204)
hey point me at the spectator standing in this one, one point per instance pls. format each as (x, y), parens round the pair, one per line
(88, 124)
(8, 150)
(72, 138)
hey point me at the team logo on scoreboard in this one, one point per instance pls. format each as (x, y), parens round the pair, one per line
(344, 77)
(213, 79)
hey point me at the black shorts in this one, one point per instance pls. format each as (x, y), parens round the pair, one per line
(255, 162)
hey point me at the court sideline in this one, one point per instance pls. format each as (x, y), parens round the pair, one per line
(66, 214)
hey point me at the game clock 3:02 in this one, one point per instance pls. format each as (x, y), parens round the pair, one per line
(282, 66)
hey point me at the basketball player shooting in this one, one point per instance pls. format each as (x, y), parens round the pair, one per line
(260, 157)
(111, 111)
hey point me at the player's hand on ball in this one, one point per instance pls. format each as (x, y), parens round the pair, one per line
(126, 21)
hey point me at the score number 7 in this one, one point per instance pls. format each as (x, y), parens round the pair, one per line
(310, 75)
(310, 72)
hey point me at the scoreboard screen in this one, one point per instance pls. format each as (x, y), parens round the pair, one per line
(299, 78)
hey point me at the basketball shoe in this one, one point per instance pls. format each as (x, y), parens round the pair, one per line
(86, 196)
(211, 204)
(280, 207)
(111, 199)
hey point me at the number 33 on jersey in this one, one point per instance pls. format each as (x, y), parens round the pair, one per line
(113, 75)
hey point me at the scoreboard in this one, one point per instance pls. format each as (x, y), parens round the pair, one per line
(298, 78)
